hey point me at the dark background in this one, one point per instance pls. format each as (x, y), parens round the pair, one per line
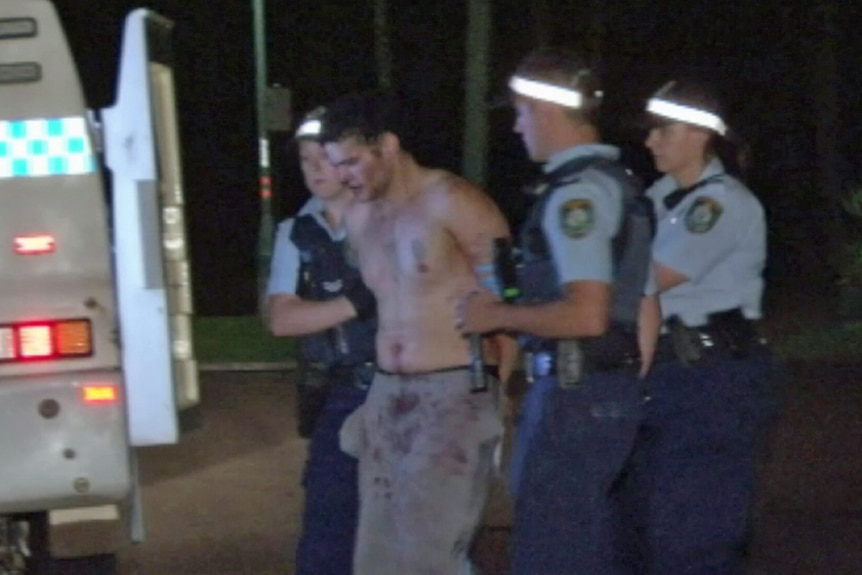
(766, 58)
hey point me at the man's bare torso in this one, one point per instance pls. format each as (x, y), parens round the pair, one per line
(417, 271)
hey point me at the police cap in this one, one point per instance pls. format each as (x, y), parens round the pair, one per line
(688, 102)
(311, 125)
(558, 76)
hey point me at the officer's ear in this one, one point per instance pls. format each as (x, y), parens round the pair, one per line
(699, 138)
(389, 143)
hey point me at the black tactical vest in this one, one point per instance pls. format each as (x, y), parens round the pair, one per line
(323, 273)
(538, 278)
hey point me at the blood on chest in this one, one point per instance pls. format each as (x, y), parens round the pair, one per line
(405, 249)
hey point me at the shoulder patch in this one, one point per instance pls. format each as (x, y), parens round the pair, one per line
(702, 215)
(577, 218)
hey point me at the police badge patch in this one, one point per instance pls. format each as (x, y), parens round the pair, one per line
(702, 215)
(576, 218)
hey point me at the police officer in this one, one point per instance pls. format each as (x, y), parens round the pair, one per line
(583, 279)
(314, 292)
(708, 387)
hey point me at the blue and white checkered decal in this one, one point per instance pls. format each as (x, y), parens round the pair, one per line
(45, 147)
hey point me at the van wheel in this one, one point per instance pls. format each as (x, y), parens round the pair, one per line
(91, 565)
(40, 561)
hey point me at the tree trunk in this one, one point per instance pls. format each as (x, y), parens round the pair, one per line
(827, 108)
(476, 90)
(382, 45)
(596, 35)
(542, 23)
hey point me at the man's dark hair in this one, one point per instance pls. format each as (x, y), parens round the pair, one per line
(362, 115)
(566, 69)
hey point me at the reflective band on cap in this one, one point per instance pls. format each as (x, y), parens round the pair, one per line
(45, 147)
(309, 129)
(547, 92)
(686, 114)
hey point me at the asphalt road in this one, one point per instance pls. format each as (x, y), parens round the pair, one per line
(226, 500)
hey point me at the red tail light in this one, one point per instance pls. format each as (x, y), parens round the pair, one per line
(35, 341)
(32, 245)
(45, 340)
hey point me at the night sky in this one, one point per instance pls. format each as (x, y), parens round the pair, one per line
(762, 56)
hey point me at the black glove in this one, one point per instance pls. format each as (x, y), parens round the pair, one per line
(363, 301)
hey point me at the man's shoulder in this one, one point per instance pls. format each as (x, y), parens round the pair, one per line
(446, 186)
(356, 214)
(440, 181)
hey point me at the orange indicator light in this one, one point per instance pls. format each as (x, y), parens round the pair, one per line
(99, 393)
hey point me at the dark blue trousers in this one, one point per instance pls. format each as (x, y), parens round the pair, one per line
(331, 494)
(571, 448)
(690, 490)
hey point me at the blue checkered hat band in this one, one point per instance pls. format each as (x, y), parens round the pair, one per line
(45, 147)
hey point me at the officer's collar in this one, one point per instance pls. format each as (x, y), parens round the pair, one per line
(584, 150)
(317, 209)
(313, 205)
(713, 167)
(713, 170)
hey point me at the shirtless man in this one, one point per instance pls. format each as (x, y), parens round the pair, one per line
(424, 441)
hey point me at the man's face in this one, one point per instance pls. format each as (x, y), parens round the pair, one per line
(527, 124)
(361, 167)
(676, 146)
(320, 175)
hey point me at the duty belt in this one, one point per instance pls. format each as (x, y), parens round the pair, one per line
(544, 363)
(358, 376)
(725, 335)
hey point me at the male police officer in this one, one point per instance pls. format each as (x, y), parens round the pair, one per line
(585, 268)
(315, 293)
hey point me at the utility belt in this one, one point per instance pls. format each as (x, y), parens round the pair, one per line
(316, 380)
(726, 335)
(568, 363)
(318, 374)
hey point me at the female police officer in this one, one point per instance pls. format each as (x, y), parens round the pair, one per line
(313, 292)
(708, 384)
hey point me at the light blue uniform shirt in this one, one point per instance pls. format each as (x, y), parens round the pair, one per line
(284, 267)
(716, 237)
(588, 255)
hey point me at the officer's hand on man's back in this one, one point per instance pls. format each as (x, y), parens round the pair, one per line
(363, 301)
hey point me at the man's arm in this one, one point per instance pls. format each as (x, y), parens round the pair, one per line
(584, 311)
(475, 221)
(649, 324)
(578, 222)
(668, 277)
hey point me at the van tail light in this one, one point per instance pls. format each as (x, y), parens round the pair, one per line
(32, 245)
(46, 340)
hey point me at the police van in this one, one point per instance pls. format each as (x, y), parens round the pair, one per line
(96, 355)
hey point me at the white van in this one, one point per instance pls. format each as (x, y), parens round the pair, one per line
(95, 297)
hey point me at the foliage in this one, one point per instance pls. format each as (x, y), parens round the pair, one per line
(239, 339)
(243, 340)
(838, 343)
(849, 261)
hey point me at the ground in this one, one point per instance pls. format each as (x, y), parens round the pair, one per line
(227, 499)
